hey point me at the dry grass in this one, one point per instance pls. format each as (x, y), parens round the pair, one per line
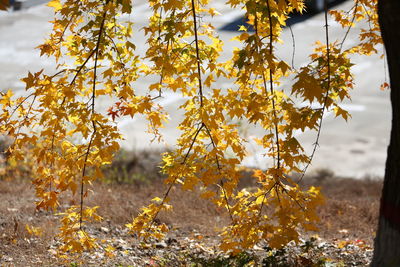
(120, 202)
(350, 211)
(351, 205)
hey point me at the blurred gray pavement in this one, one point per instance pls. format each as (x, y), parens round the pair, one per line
(355, 149)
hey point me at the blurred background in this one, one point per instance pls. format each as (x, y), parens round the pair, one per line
(356, 148)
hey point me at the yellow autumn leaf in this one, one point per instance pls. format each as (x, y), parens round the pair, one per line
(56, 4)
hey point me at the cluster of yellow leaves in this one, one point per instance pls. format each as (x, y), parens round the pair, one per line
(34, 231)
(288, 209)
(312, 79)
(208, 131)
(71, 139)
(363, 11)
(73, 237)
(145, 226)
(186, 62)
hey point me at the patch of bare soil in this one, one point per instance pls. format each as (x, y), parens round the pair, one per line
(348, 221)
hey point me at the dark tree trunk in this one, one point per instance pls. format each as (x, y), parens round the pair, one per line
(387, 241)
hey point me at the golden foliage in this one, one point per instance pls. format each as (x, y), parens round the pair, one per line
(93, 46)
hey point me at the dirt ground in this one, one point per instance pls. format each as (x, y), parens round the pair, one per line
(347, 228)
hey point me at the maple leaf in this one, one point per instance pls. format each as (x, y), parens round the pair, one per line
(29, 81)
(385, 86)
(113, 113)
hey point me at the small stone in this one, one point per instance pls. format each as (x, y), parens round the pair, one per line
(161, 244)
(52, 251)
(12, 209)
(8, 259)
(105, 230)
(171, 240)
(257, 247)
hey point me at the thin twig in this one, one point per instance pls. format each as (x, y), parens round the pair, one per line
(384, 64)
(326, 94)
(264, 196)
(293, 44)
(197, 53)
(220, 172)
(271, 83)
(25, 117)
(16, 108)
(173, 182)
(93, 111)
(295, 200)
(118, 54)
(350, 26)
(82, 66)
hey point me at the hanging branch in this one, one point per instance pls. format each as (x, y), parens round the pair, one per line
(220, 172)
(82, 66)
(203, 125)
(293, 45)
(197, 54)
(270, 44)
(316, 144)
(164, 199)
(201, 101)
(17, 107)
(96, 51)
(271, 84)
